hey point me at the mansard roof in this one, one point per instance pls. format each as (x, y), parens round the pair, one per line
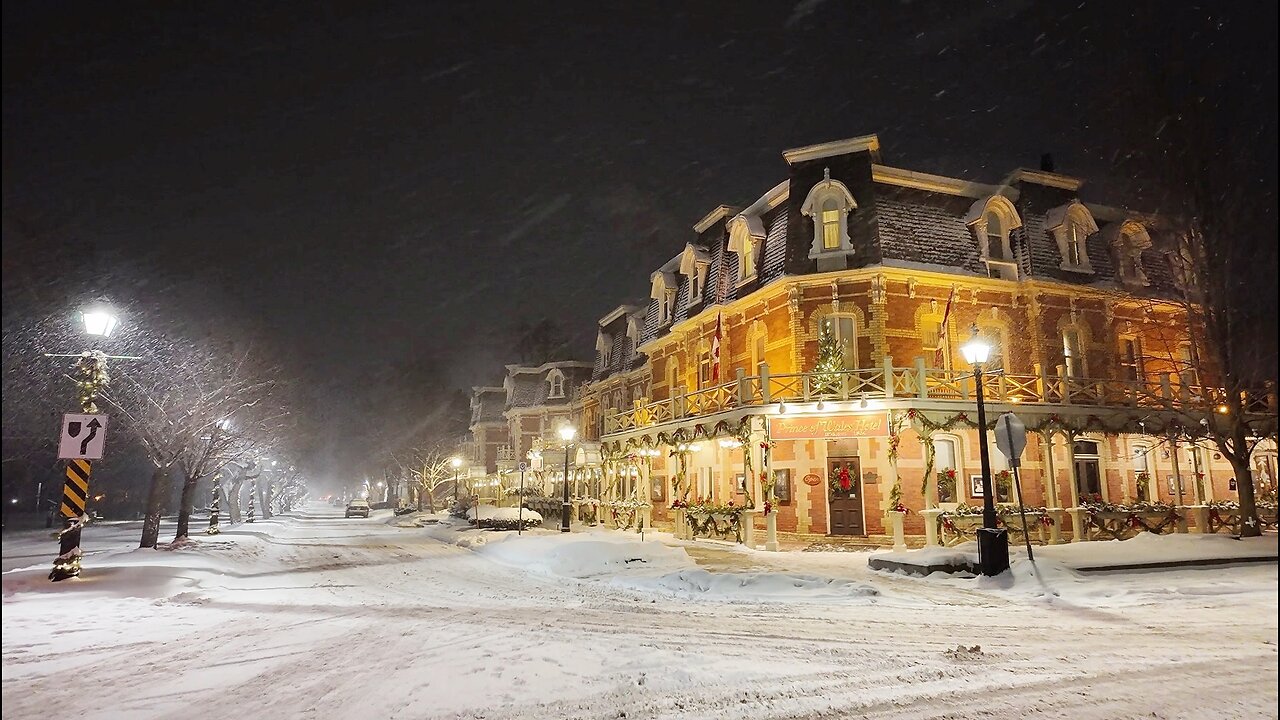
(487, 404)
(905, 218)
(530, 386)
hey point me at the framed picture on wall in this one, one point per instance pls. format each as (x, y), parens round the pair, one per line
(1173, 486)
(657, 488)
(975, 486)
(740, 482)
(782, 486)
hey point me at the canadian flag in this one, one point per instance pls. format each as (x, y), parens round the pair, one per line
(715, 354)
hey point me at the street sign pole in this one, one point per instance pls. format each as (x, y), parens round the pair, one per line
(75, 493)
(520, 504)
(1011, 440)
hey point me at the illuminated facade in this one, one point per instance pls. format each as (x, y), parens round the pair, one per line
(896, 270)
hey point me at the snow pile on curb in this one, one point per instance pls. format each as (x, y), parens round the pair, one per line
(581, 557)
(654, 567)
(752, 586)
(503, 514)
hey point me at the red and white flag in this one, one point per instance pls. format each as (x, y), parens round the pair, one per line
(715, 354)
(939, 359)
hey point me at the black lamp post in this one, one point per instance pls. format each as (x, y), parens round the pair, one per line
(993, 543)
(566, 509)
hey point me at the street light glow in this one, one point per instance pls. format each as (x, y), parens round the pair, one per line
(975, 351)
(567, 432)
(456, 462)
(99, 321)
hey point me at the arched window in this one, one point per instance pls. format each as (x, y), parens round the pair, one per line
(746, 235)
(828, 204)
(1075, 243)
(992, 221)
(556, 380)
(997, 237)
(844, 330)
(1071, 225)
(830, 224)
(1128, 240)
(1073, 352)
(673, 378)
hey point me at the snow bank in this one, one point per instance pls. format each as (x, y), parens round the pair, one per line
(764, 586)
(503, 514)
(654, 567)
(585, 557)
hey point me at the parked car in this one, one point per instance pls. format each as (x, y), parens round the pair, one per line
(358, 507)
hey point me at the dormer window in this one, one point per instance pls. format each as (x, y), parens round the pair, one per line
(746, 236)
(830, 225)
(1075, 243)
(556, 380)
(604, 349)
(997, 238)
(1071, 225)
(662, 288)
(992, 221)
(694, 262)
(828, 205)
(1128, 241)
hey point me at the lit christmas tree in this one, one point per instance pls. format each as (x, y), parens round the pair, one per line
(830, 362)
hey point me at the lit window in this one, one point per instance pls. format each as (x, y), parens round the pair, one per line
(1071, 354)
(1130, 359)
(1188, 368)
(845, 333)
(557, 385)
(828, 204)
(830, 225)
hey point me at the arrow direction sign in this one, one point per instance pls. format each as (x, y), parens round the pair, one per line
(74, 443)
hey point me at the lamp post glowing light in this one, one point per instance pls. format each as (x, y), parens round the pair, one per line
(993, 545)
(99, 321)
(567, 433)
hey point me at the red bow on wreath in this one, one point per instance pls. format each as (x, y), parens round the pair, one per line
(1134, 522)
(846, 482)
(768, 507)
(902, 509)
(1046, 520)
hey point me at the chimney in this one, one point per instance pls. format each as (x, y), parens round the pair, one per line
(1046, 162)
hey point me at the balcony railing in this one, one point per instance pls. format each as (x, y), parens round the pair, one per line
(933, 384)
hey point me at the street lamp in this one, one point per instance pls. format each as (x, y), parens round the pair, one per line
(993, 545)
(456, 462)
(566, 433)
(99, 321)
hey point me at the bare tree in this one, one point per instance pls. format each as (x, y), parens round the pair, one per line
(171, 408)
(239, 421)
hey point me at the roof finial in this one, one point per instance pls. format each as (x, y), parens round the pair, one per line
(826, 173)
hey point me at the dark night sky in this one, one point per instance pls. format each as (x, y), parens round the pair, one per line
(368, 181)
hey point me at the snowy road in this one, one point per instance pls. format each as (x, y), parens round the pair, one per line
(322, 617)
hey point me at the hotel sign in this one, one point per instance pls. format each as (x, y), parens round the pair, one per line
(828, 427)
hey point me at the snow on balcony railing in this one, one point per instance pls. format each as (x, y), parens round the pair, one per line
(934, 384)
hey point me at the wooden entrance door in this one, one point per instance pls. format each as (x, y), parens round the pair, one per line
(846, 505)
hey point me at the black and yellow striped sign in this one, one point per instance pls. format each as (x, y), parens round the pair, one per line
(76, 490)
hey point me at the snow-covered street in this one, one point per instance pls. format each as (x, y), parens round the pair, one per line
(317, 616)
